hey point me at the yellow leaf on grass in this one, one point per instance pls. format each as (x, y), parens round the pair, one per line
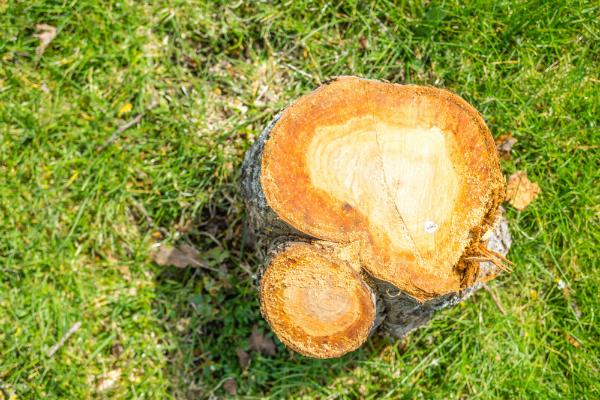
(520, 191)
(72, 179)
(125, 109)
(534, 294)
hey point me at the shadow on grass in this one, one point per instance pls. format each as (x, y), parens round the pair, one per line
(209, 315)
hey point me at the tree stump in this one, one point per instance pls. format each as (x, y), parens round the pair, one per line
(371, 204)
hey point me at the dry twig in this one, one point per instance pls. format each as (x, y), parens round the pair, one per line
(122, 128)
(496, 299)
(63, 339)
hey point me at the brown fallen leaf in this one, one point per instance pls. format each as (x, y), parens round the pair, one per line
(46, 34)
(520, 191)
(182, 257)
(259, 342)
(243, 358)
(230, 386)
(363, 42)
(504, 144)
(117, 349)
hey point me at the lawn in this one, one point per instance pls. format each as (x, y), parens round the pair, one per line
(83, 203)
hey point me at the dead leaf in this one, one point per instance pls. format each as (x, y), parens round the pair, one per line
(184, 227)
(182, 257)
(520, 191)
(363, 42)
(243, 358)
(190, 63)
(230, 386)
(46, 34)
(117, 349)
(189, 250)
(572, 340)
(504, 144)
(259, 342)
(108, 380)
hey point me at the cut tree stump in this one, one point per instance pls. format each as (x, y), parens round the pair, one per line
(371, 204)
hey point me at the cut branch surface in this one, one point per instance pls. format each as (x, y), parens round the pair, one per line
(316, 303)
(409, 175)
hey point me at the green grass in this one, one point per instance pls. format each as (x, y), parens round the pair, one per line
(77, 224)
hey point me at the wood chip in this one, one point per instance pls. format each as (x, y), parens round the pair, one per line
(262, 344)
(520, 191)
(46, 34)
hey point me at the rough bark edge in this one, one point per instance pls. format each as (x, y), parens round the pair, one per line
(264, 226)
(404, 314)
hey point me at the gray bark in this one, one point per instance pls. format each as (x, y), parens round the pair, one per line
(265, 228)
(397, 312)
(404, 314)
